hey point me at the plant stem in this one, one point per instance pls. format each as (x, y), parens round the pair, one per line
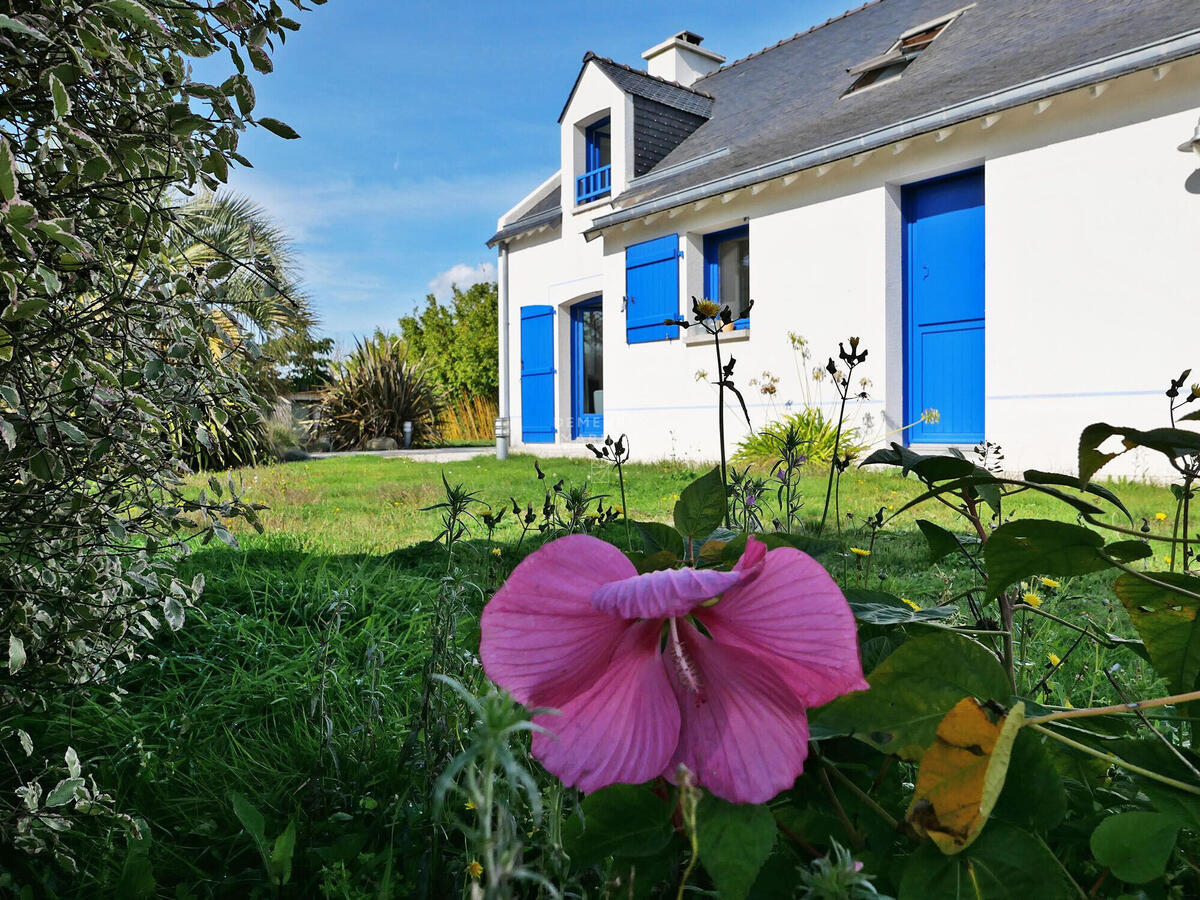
(1113, 759)
(844, 390)
(624, 508)
(721, 416)
(864, 797)
(1115, 708)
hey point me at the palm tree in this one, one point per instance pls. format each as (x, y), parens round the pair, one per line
(262, 294)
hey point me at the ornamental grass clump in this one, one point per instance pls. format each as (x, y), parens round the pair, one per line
(377, 389)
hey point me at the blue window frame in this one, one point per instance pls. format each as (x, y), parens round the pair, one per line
(596, 180)
(587, 369)
(727, 272)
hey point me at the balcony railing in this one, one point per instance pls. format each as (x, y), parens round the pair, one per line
(593, 185)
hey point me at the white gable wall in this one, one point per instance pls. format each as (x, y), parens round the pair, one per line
(1091, 236)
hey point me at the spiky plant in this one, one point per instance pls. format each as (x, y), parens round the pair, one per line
(375, 391)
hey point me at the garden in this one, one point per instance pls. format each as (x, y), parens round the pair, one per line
(814, 669)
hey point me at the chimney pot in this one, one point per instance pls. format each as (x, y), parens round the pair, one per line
(680, 58)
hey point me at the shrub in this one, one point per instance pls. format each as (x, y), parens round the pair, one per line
(104, 343)
(812, 427)
(377, 390)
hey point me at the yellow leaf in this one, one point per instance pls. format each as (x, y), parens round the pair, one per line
(712, 549)
(962, 774)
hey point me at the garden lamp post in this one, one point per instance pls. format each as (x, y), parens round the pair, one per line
(502, 435)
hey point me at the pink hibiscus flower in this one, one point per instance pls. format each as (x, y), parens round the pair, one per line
(711, 670)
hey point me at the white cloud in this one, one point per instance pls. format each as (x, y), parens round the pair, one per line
(463, 276)
(309, 209)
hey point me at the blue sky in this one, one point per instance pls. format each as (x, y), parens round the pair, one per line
(421, 123)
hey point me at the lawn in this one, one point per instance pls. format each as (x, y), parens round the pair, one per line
(300, 687)
(364, 504)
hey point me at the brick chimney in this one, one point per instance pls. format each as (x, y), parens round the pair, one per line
(681, 58)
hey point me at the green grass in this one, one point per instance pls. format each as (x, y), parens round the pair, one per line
(299, 682)
(359, 504)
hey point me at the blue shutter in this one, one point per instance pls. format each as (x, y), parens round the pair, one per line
(652, 290)
(537, 374)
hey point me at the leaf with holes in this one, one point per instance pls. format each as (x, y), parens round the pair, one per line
(1171, 442)
(962, 774)
(1165, 616)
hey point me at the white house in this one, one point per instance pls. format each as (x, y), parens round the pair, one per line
(990, 196)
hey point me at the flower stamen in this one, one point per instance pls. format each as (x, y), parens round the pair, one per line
(684, 667)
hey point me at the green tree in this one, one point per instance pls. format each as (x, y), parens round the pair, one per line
(105, 342)
(457, 341)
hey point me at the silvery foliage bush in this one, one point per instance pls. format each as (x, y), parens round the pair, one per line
(105, 348)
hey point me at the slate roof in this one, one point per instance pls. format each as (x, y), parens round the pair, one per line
(547, 211)
(788, 98)
(642, 84)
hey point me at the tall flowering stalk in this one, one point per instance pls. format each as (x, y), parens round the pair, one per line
(714, 319)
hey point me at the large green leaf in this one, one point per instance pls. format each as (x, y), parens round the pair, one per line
(656, 536)
(1166, 620)
(879, 608)
(1035, 798)
(1135, 845)
(1028, 547)
(701, 506)
(735, 841)
(1036, 476)
(911, 692)
(623, 820)
(941, 542)
(1171, 442)
(1006, 863)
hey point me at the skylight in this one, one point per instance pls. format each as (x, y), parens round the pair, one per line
(891, 65)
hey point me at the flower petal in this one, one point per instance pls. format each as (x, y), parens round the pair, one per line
(793, 611)
(541, 639)
(744, 733)
(621, 730)
(663, 594)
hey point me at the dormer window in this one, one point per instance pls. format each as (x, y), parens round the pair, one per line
(596, 180)
(891, 65)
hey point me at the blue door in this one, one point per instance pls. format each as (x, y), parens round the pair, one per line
(537, 374)
(944, 307)
(587, 369)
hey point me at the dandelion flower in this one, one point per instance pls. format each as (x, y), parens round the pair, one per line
(470, 804)
(495, 551)
(1050, 583)
(1032, 599)
(859, 551)
(700, 668)
(475, 869)
(916, 606)
(1054, 658)
(1160, 516)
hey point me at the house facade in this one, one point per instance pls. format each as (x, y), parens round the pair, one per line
(989, 196)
